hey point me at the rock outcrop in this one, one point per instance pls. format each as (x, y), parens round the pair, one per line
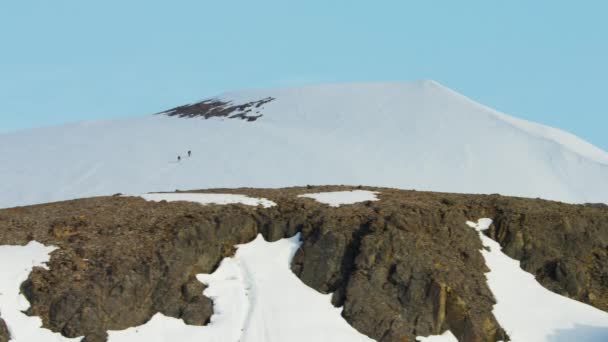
(215, 108)
(404, 266)
(4, 334)
(565, 246)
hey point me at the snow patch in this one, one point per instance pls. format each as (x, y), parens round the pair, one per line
(529, 312)
(445, 337)
(209, 199)
(256, 298)
(16, 263)
(338, 198)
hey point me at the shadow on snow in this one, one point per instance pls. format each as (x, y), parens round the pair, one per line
(580, 333)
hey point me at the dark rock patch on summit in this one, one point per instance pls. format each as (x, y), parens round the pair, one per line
(250, 111)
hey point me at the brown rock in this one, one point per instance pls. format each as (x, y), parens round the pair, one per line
(4, 334)
(404, 266)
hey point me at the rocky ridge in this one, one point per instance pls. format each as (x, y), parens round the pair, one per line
(249, 111)
(404, 266)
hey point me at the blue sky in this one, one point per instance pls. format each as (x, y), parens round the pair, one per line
(71, 60)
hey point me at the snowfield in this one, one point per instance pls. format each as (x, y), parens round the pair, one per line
(209, 199)
(256, 298)
(338, 198)
(417, 135)
(529, 312)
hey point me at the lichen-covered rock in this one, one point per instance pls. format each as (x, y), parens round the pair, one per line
(401, 271)
(565, 246)
(114, 274)
(401, 267)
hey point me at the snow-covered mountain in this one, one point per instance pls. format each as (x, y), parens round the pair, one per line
(417, 135)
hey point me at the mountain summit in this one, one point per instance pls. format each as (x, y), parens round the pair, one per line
(419, 135)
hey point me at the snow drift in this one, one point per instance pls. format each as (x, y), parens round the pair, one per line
(417, 135)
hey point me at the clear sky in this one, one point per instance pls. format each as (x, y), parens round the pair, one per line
(72, 60)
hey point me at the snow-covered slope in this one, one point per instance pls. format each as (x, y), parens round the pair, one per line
(417, 135)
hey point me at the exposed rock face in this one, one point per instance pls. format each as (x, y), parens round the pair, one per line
(4, 334)
(121, 261)
(249, 111)
(566, 247)
(403, 266)
(382, 262)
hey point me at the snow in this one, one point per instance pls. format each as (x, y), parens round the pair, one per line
(446, 337)
(417, 135)
(162, 328)
(16, 263)
(338, 198)
(209, 199)
(256, 298)
(554, 135)
(529, 312)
